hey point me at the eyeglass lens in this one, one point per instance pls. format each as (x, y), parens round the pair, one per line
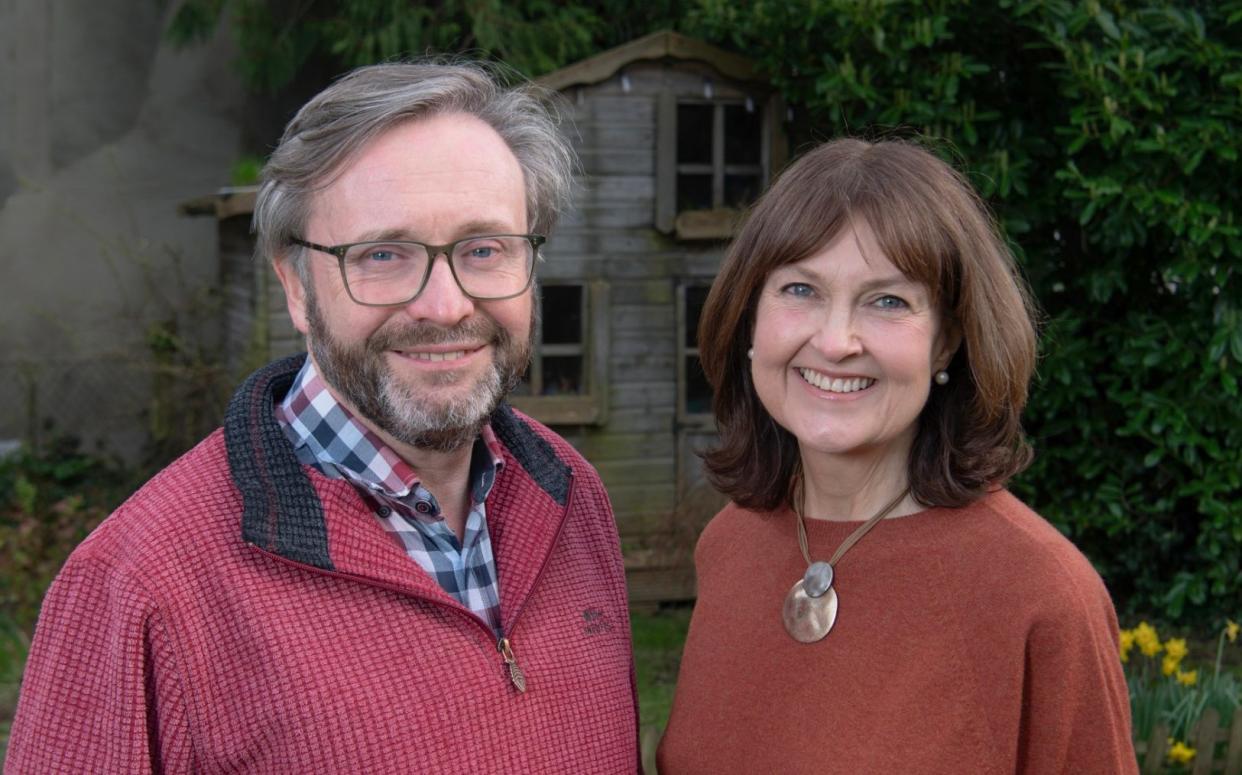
(392, 272)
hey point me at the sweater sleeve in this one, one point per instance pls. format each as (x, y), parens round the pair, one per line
(1076, 707)
(100, 692)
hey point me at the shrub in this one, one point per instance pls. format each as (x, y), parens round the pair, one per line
(49, 501)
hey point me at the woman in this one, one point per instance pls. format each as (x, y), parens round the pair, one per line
(874, 600)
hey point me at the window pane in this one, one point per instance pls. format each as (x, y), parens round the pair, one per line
(698, 391)
(694, 134)
(742, 135)
(694, 192)
(696, 296)
(562, 314)
(562, 375)
(741, 190)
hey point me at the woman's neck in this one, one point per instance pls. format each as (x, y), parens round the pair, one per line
(854, 487)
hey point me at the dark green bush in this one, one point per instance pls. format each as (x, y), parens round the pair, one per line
(49, 501)
(1106, 136)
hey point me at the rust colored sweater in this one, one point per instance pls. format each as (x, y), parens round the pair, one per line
(974, 640)
(243, 613)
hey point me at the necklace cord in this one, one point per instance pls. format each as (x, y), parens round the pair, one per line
(852, 538)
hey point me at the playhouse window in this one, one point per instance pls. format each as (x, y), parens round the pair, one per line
(713, 163)
(694, 394)
(563, 384)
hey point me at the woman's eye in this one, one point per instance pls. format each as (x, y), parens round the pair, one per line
(891, 302)
(797, 289)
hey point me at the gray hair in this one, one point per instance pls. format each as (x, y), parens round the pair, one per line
(337, 122)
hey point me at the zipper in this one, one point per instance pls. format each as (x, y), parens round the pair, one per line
(504, 645)
(516, 676)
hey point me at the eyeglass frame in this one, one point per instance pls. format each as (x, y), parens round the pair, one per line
(536, 241)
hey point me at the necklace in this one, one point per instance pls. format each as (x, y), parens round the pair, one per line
(810, 608)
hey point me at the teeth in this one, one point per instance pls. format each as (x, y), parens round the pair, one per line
(438, 356)
(837, 385)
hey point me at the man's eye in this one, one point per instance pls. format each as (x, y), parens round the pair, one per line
(380, 255)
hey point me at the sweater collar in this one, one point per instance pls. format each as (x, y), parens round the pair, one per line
(283, 501)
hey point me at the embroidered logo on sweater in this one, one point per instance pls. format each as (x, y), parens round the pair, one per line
(595, 622)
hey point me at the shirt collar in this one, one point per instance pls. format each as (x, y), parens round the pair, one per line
(316, 423)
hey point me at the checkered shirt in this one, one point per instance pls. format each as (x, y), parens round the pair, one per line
(327, 436)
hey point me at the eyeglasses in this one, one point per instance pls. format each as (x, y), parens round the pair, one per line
(486, 267)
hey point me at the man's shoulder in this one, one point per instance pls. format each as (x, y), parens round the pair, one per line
(193, 496)
(542, 452)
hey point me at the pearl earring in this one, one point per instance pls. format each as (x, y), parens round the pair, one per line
(750, 353)
(942, 377)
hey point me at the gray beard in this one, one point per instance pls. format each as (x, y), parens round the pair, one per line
(360, 375)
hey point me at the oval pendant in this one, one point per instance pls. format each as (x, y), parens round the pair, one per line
(808, 619)
(818, 578)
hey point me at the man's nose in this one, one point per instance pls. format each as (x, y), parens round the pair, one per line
(442, 300)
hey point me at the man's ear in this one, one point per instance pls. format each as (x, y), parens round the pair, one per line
(295, 292)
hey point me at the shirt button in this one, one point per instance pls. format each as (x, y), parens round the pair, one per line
(385, 511)
(422, 507)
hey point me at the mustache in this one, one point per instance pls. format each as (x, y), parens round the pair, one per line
(404, 335)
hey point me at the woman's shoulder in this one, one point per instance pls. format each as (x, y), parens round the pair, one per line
(733, 528)
(1036, 560)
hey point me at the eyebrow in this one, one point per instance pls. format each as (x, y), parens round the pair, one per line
(470, 229)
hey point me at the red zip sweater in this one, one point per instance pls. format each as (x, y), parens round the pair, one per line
(242, 613)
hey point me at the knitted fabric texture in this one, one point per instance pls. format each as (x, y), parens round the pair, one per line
(169, 643)
(974, 640)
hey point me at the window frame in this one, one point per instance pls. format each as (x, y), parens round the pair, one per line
(717, 222)
(591, 406)
(685, 418)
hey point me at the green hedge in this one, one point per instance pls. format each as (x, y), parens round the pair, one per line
(1106, 136)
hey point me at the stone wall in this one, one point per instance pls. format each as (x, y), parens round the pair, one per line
(104, 129)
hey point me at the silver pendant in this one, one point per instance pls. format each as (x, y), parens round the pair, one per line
(807, 618)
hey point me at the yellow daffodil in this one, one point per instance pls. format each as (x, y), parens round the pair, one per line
(1175, 648)
(1168, 665)
(1188, 679)
(1179, 752)
(1147, 639)
(1127, 643)
(1231, 630)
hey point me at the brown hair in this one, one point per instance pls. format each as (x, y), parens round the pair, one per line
(930, 223)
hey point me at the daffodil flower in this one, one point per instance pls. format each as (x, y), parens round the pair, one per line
(1179, 752)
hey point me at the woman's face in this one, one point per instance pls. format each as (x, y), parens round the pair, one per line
(845, 347)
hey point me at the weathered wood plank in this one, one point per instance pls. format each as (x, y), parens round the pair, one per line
(643, 317)
(637, 470)
(659, 291)
(643, 394)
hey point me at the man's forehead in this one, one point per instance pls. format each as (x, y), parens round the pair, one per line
(446, 167)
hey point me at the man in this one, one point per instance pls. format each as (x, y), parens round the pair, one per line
(375, 565)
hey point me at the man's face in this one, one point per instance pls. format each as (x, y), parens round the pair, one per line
(429, 372)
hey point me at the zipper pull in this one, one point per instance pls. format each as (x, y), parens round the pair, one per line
(515, 673)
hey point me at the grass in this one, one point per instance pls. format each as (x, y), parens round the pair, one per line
(658, 638)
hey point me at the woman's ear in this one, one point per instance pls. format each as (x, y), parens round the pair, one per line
(948, 342)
